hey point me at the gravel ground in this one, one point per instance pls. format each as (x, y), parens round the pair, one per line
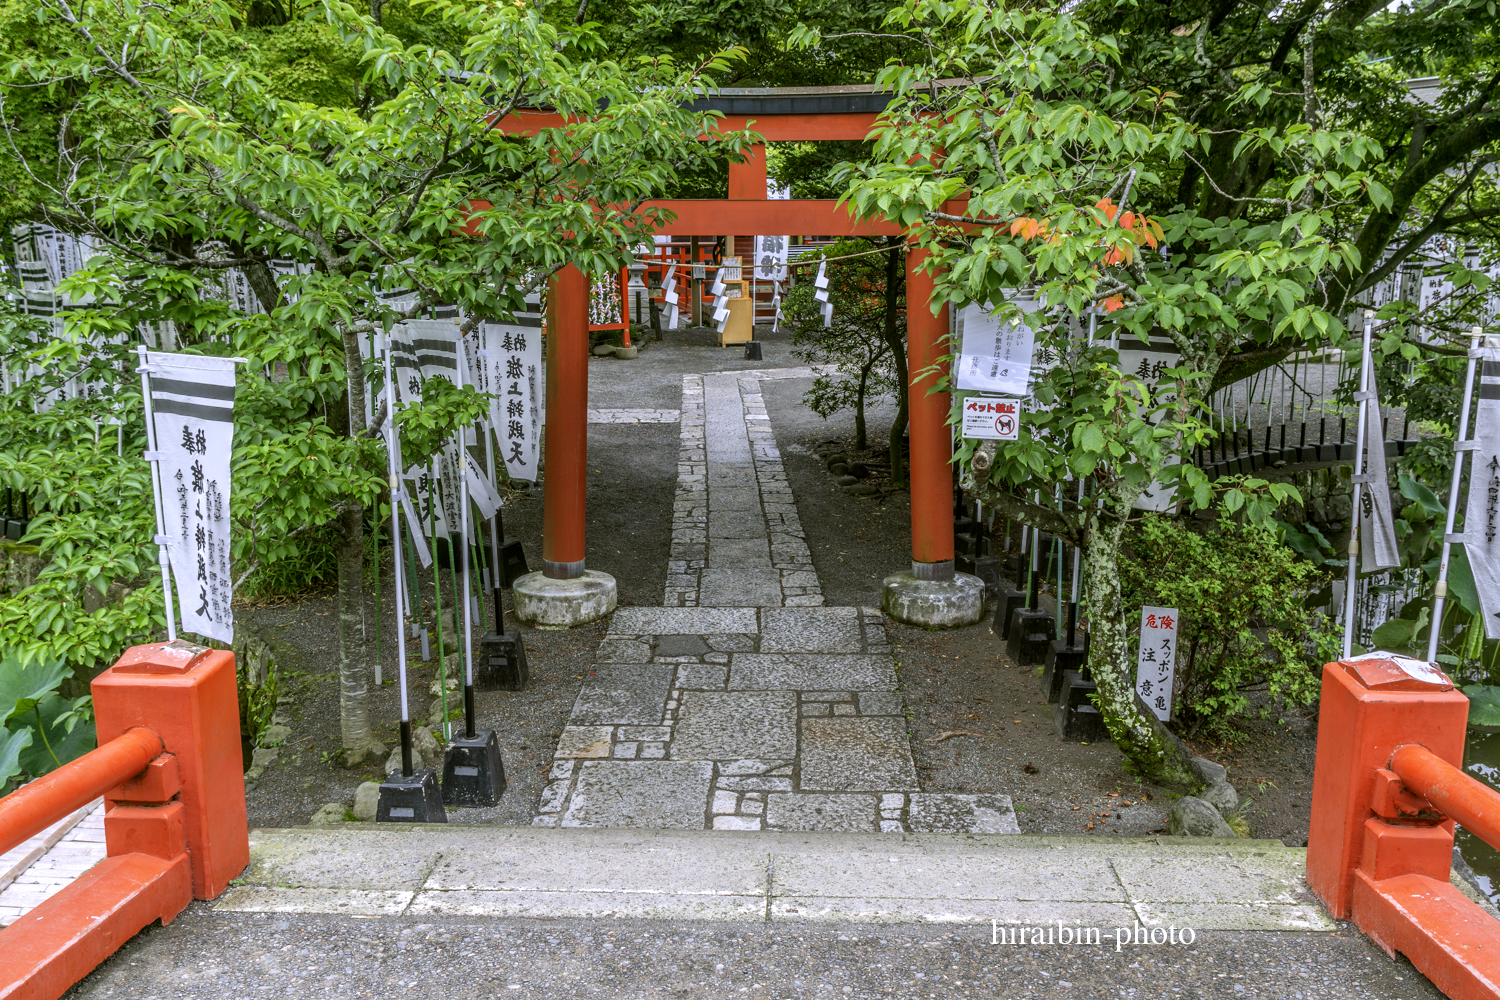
(632, 469)
(211, 955)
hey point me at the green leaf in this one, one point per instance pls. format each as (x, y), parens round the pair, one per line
(23, 687)
(11, 745)
(1394, 633)
(1484, 704)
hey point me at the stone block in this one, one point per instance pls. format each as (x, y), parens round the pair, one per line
(702, 676)
(810, 672)
(623, 694)
(736, 823)
(739, 552)
(623, 651)
(740, 587)
(809, 630)
(742, 767)
(733, 523)
(757, 784)
(856, 755)
(683, 621)
(946, 813)
(880, 703)
(824, 813)
(584, 741)
(680, 645)
(654, 794)
(731, 643)
(735, 725)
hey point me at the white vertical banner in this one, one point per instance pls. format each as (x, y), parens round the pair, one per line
(192, 404)
(516, 411)
(1482, 515)
(1147, 364)
(770, 257)
(1377, 525)
(1156, 661)
(994, 354)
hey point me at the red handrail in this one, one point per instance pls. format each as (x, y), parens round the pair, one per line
(1452, 792)
(36, 805)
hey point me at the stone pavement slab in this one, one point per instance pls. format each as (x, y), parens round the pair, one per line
(733, 725)
(774, 877)
(622, 694)
(856, 755)
(657, 795)
(682, 621)
(810, 672)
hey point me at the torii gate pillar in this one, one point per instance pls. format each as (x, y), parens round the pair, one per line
(565, 593)
(931, 594)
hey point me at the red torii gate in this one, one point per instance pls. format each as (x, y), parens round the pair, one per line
(931, 594)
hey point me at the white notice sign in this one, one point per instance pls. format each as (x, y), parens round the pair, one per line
(994, 355)
(1156, 663)
(992, 417)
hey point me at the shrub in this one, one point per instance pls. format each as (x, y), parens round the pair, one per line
(1241, 597)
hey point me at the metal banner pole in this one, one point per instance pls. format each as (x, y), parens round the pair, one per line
(1355, 518)
(463, 535)
(1460, 447)
(395, 478)
(153, 458)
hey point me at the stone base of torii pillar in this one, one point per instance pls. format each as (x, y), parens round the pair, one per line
(565, 593)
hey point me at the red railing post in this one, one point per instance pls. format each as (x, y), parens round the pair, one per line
(186, 694)
(1371, 706)
(169, 766)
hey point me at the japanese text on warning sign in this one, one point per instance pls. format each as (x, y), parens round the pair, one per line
(1157, 660)
(991, 417)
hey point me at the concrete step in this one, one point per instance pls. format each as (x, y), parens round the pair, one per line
(1103, 882)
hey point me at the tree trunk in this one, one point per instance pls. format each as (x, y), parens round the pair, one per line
(355, 736)
(894, 274)
(1153, 751)
(859, 412)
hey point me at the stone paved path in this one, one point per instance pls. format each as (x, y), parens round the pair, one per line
(743, 703)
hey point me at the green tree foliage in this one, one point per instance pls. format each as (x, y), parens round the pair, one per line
(183, 154)
(865, 340)
(1246, 638)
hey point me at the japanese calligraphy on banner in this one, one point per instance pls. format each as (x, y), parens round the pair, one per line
(1482, 515)
(770, 257)
(1156, 663)
(994, 354)
(192, 404)
(516, 410)
(1147, 363)
(991, 417)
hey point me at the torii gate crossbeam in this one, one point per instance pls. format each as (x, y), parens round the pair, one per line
(931, 594)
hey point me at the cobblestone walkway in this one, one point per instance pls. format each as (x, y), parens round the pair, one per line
(744, 704)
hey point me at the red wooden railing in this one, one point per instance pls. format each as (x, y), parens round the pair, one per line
(1387, 789)
(170, 769)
